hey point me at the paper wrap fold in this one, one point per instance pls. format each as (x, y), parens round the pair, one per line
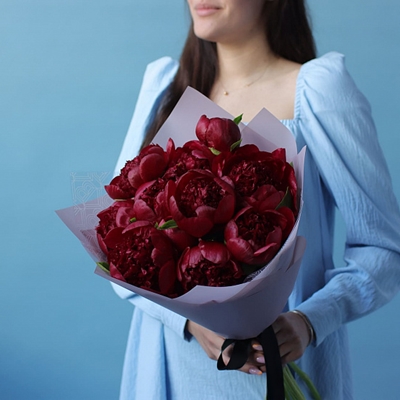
(241, 311)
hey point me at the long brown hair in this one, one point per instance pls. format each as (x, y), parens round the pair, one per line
(288, 34)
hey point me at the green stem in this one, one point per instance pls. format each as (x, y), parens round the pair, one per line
(307, 380)
(288, 391)
(295, 389)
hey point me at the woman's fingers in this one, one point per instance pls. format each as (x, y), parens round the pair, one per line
(292, 335)
(212, 343)
(255, 364)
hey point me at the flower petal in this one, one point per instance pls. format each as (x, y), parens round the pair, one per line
(215, 252)
(241, 250)
(151, 167)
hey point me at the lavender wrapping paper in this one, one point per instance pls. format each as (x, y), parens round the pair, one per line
(240, 311)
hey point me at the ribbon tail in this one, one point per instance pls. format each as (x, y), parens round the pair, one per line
(273, 364)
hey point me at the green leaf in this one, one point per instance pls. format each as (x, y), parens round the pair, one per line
(215, 151)
(104, 266)
(238, 119)
(236, 144)
(168, 225)
(287, 200)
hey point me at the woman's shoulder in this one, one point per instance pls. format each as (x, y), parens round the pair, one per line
(325, 81)
(329, 68)
(160, 70)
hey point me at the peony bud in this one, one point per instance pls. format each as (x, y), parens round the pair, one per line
(217, 133)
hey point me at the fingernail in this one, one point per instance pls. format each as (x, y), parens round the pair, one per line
(257, 347)
(255, 371)
(260, 359)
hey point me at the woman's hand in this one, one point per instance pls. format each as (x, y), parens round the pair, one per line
(293, 336)
(212, 343)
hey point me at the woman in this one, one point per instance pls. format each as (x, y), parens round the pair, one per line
(245, 55)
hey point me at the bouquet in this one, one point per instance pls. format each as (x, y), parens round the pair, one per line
(207, 213)
(209, 222)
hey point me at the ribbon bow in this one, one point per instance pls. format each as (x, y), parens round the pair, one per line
(241, 352)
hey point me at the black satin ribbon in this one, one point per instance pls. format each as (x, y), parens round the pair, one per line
(241, 352)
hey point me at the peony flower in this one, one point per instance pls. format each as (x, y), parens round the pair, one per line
(200, 201)
(192, 155)
(142, 256)
(217, 133)
(208, 264)
(255, 236)
(149, 165)
(249, 169)
(119, 214)
(266, 197)
(150, 201)
(181, 239)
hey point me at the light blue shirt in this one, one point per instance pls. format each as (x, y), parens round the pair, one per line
(345, 169)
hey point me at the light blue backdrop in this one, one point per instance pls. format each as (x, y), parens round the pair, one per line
(70, 72)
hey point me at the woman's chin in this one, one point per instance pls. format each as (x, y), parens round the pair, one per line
(206, 34)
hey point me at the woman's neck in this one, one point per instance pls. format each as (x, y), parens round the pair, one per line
(252, 77)
(241, 65)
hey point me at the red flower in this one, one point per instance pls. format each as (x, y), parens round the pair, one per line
(208, 264)
(255, 236)
(200, 201)
(266, 197)
(249, 169)
(192, 155)
(218, 133)
(150, 201)
(147, 166)
(142, 256)
(180, 238)
(119, 214)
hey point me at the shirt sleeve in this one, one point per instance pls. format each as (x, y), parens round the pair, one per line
(156, 79)
(340, 134)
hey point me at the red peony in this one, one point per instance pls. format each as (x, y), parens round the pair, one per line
(249, 169)
(147, 166)
(192, 155)
(217, 133)
(208, 264)
(266, 197)
(150, 201)
(255, 236)
(200, 201)
(119, 214)
(180, 238)
(142, 256)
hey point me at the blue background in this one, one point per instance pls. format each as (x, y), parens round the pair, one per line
(70, 71)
